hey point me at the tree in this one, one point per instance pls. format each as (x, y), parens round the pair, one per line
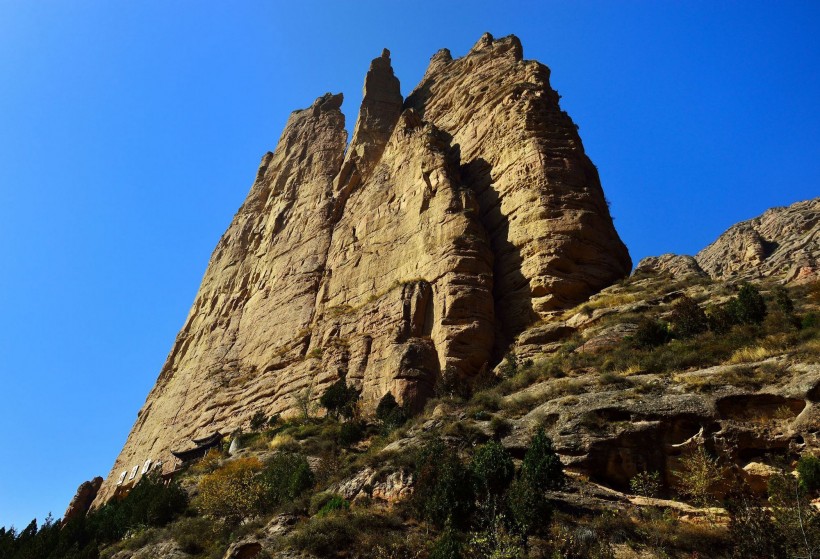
(782, 300)
(232, 492)
(687, 318)
(492, 469)
(808, 468)
(340, 399)
(540, 471)
(698, 476)
(443, 486)
(541, 465)
(748, 307)
(650, 333)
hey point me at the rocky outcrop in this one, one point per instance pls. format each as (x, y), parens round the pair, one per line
(452, 221)
(539, 195)
(85, 495)
(783, 243)
(676, 265)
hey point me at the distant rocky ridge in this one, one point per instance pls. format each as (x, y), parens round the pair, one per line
(783, 243)
(453, 220)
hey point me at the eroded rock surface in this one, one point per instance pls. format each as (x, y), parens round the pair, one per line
(85, 495)
(539, 195)
(453, 221)
(782, 243)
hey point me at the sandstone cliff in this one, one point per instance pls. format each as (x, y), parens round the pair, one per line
(783, 242)
(454, 220)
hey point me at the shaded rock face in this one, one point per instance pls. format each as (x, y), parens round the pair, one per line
(86, 493)
(452, 221)
(782, 243)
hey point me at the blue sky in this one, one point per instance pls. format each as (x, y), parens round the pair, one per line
(130, 133)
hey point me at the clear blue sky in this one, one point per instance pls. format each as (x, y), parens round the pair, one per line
(130, 133)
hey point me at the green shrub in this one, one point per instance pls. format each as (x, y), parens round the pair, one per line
(541, 465)
(334, 504)
(500, 427)
(325, 536)
(258, 420)
(650, 333)
(687, 318)
(492, 469)
(448, 545)
(198, 535)
(808, 468)
(810, 320)
(748, 307)
(340, 399)
(720, 319)
(390, 413)
(443, 486)
(350, 433)
(646, 484)
(284, 478)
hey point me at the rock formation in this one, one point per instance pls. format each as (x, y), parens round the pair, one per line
(453, 220)
(85, 495)
(782, 243)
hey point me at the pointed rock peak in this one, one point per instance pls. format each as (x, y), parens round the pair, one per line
(442, 56)
(381, 106)
(506, 45)
(327, 102)
(484, 42)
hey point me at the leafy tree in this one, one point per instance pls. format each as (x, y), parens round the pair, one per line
(748, 307)
(443, 486)
(540, 471)
(752, 532)
(698, 476)
(350, 433)
(687, 318)
(258, 420)
(808, 468)
(232, 492)
(340, 399)
(284, 477)
(150, 503)
(650, 333)
(541, 465)
(794, 516)
(448, 545)
(492, 469)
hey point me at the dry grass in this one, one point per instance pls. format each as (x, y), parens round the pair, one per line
(750, 354)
